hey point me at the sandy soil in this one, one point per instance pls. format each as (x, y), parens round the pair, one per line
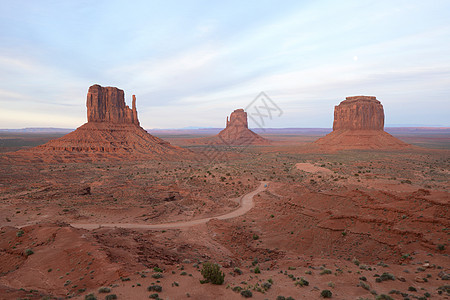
(245, 204)
(338, 220)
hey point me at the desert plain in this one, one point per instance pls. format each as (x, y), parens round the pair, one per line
(363, 224)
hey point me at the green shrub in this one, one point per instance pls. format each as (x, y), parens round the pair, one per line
(20, 233)
(237, 289)
(384, 297)
(257, 270)
(326, 294)
(325, 271)
(302, 282)
(111, 297)
(211, 273)
(155, 288)
(385, 277)
(154, 296)
(157, 275)
(247, 294)
(238, 271)
(266, 285)
(156, 269)
(28, 252)
(104, 290)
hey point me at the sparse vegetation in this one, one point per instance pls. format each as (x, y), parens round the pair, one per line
(246, 293)
(212, 273)
(104, 290)
(326, 294)
(154, 288)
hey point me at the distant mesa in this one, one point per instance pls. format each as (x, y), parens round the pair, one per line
(359, 124)
(112, 129)
(236, 131)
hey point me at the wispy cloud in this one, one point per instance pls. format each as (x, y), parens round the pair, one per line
(193, 65)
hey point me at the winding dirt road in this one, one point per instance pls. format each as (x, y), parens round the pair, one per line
(246, 204)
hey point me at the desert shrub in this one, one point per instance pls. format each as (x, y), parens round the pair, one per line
(412, 289)
(281, 298)
(20, 233)
(384, 297)
(90, 297)
(28, 252)
(255, 236)
(157, 275)
(302, 282)
(266, 285)
(326, 294)
(154, 296)
(257, 270)
(211, 273)
(238, 271)
(441, 247)
(325, 271)
(156, 269)
(155, 288)
(237, 289)
(104, 290)
(111, 297)
(385, 277)
(183, 273)
(247, 294)
(364, 285)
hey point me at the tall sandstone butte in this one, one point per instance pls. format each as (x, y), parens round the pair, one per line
(236, 131)
(359, 124)
(107, 104)
(112, 130)
(359, 113)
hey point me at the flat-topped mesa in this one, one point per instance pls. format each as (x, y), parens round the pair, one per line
(107, 104)
(238, 118)
(359, 113)
(359, 124)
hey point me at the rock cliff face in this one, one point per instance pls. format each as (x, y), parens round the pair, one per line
(359, 124)
(237, 132)
(359, 113)
(107, 104)
(112, 130)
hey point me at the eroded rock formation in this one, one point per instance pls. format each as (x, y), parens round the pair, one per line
(107, 104)
(112, 130)
(359, 124)
(359, 113)
(237, 132)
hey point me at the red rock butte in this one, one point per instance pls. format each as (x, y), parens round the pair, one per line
(112, 130)
(359, 124)
(237, 133)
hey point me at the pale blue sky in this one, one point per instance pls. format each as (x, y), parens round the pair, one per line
(191, 63)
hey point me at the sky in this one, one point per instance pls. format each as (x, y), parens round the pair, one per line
(191, 63)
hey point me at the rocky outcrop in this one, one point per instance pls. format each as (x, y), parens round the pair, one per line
(107, 104)
(359, 124)
(112, 130)
(237, 132)
(359, 113)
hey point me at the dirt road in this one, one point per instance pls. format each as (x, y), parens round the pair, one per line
(246, 204)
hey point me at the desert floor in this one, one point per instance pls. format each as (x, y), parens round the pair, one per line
(280, 220)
